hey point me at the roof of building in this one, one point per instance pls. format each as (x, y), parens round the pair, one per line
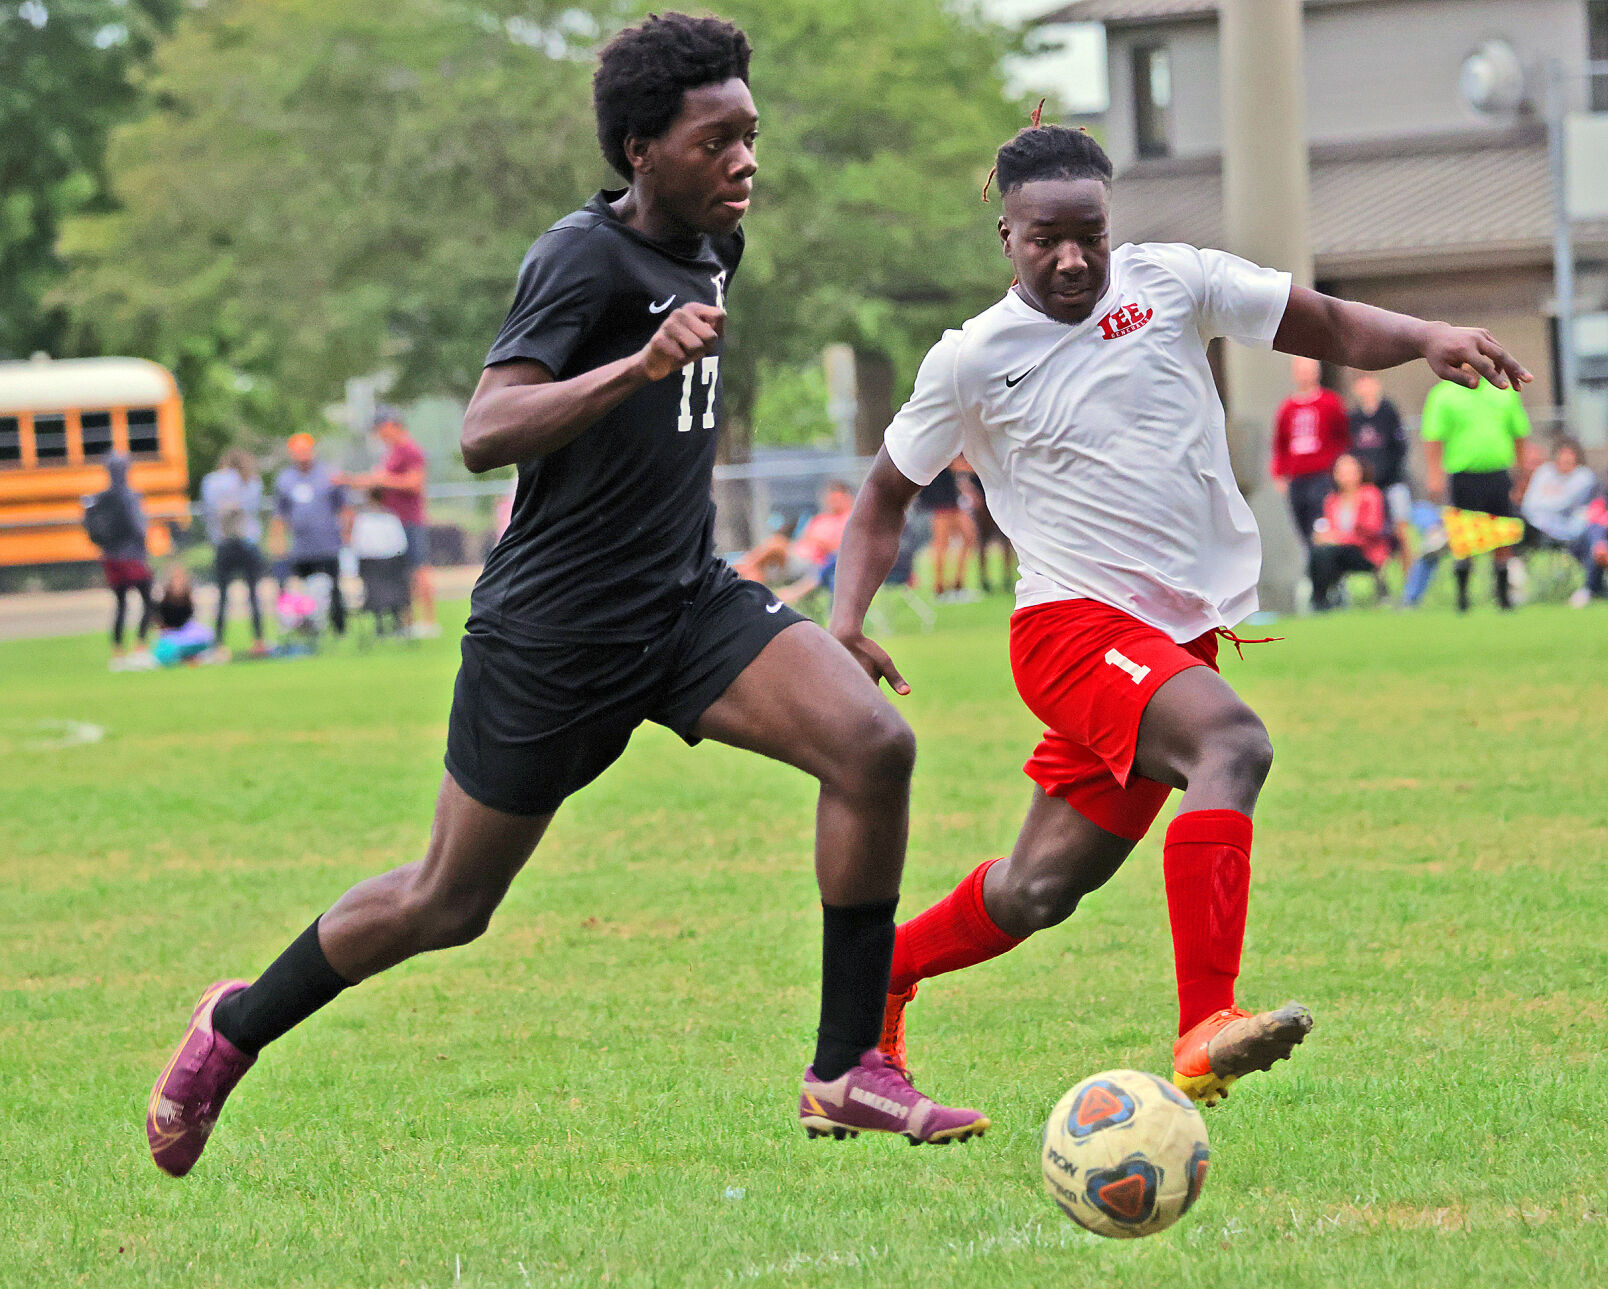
(1379, 206)
(1121, 12)
(46, 385)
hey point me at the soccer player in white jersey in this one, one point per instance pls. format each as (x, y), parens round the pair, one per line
(1084, 401)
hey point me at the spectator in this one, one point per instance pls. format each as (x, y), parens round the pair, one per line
(1379, 442)
(940, 502)
(1310, 430)
(988, 533)
(231, 504)
(824, 533)
(115, 522)
(804, 564)
(400, 480)
(1351, 536)
(312, 507)
(1472, 439)
(1557, 506)
(184, 638)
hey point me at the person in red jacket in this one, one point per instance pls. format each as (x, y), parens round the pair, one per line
(1352, 535)
(1311, 429)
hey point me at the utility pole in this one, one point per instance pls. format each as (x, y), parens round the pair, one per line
(1266, 201)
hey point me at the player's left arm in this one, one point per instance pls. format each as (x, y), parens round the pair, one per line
(1358, 335)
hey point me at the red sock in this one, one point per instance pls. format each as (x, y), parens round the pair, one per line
(956, 932)
(1207, 864)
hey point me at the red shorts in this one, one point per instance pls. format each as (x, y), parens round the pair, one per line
(123, 574)
(1087, 670)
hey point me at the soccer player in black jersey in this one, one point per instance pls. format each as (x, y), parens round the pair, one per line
(605, 605)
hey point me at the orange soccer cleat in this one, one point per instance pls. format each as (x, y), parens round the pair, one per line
(892, 1042)
(1233, 1042)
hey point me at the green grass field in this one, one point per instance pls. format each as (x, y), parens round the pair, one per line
(603, 1089)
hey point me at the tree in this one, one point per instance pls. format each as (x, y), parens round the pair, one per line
(66, 78)
(327, 190)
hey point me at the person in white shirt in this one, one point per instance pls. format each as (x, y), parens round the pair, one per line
(1085, 403)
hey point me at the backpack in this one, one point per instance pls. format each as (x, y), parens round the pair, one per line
(106, 520)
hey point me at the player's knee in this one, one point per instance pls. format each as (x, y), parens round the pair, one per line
(1047, 899)
(883, 749)
(1240, 743)
(440, 922)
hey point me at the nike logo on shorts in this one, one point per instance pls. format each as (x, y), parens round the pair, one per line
(775, 606)
(660, 308)
(1012, 381)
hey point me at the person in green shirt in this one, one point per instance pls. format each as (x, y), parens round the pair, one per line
(1473, 440)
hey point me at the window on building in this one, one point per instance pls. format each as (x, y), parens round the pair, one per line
(1152, 100)
(50, 437)
(1597, 46)
(10, 441)
(97, 431)
(142, 437)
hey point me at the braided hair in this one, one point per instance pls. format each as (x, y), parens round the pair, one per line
(1050, 152)
(645, 70)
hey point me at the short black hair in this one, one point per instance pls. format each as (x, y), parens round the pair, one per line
(644, 71)
(1050, 152)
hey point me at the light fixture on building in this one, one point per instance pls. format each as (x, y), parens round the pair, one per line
(1491, 80)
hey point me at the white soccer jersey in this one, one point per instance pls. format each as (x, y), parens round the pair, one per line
(1101, 446)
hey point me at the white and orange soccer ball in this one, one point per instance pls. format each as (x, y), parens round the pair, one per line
(1124, 1154)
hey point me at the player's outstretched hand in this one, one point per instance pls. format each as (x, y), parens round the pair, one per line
(684, 337)
(1465, 354)
(874, 658)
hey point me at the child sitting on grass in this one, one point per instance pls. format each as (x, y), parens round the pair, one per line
(184, 638)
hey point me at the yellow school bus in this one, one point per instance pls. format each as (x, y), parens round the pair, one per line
(59, 421)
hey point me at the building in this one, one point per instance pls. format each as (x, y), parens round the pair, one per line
(1431, 189)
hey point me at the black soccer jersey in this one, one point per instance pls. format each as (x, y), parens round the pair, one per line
(612, 533)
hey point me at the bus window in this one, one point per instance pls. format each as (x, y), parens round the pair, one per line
(10, 441)
(142, 437)
(50, 436)
(97, 431)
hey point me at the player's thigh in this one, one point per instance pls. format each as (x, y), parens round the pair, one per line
(804, 701)
(1190, 716)
(475, 850)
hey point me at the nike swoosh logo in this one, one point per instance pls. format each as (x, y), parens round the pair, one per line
(775, 606)
(1012, 381)
(660, 308)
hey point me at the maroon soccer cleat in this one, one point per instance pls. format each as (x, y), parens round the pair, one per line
(876, 1096)
(189, 1094)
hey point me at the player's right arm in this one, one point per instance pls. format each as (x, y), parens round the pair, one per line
(519, 410)
(924, 438)
(870, 547)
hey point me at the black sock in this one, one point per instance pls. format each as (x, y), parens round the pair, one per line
(1503, 599)
(297, 983)
(856, 957)
(1462, 571)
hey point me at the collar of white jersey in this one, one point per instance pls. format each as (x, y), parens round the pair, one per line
(1022, 309)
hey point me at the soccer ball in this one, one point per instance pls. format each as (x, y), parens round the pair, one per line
(1124, 1154)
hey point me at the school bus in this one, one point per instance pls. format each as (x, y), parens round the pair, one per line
(59, 420)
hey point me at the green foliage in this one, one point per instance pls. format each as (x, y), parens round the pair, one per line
(791, 407)
(325, 190)
(67, 71)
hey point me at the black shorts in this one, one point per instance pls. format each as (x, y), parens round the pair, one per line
(1487, 491)
(531, 724)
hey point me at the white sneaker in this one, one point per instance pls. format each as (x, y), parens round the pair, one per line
(424, 630)
(1580, 599)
